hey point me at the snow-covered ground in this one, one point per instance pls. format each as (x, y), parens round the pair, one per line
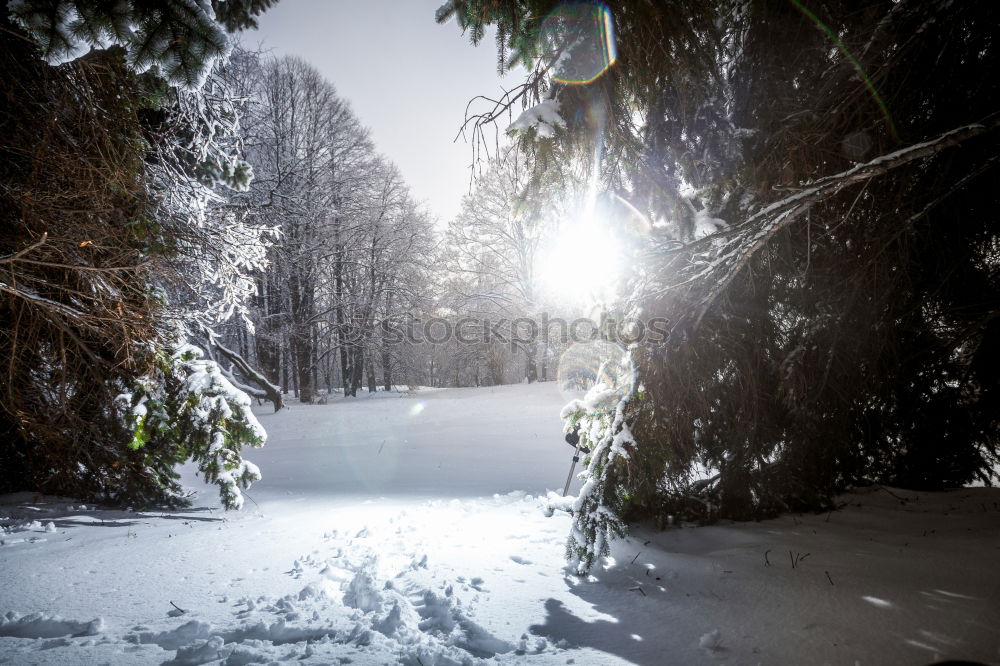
(410, 530)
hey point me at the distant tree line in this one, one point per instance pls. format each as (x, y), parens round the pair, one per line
(356, 262)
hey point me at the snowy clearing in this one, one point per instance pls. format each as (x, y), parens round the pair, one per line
(411, 530)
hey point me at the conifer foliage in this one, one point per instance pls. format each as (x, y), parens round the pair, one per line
(186, 409)
(113, 237)
(818, 178)
(180, 39)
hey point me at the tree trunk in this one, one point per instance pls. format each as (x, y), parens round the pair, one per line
(386, 354)
(346, 353)
(290, 370)
(314, 358)
(370, 372)
(386, 368)
(285, 381)
(302, 359)
(346, 373)
(265, 342)
(357, 369)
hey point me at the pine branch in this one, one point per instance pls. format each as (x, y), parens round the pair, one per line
(748, 238)
(269, 390)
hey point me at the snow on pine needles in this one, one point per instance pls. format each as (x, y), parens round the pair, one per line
(412, 530)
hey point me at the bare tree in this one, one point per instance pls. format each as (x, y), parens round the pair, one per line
(353, 244)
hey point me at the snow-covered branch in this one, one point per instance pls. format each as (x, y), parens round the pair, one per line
(717, 259)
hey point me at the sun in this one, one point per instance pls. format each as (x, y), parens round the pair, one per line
(582, 263)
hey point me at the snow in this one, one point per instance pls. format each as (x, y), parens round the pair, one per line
(40, 625)
(386, 534)
(543, 117)
(706, 225)
(711, 640)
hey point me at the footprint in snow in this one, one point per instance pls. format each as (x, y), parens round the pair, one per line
(519, 559)
(711, 641)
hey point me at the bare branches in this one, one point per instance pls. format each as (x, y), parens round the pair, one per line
(17, 255)
(74, 277)
(46, 303)
(353, 243)
(477, 123)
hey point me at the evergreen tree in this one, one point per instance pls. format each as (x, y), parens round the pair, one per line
(818, 178)
(108, 179)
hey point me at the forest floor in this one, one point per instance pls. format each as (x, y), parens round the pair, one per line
(410, 529)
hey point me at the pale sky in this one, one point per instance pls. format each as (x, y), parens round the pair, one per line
(407, 78)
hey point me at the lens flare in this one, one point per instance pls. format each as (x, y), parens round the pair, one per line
(370, 469)
(600, 370)
(580, 36)
(854, 63)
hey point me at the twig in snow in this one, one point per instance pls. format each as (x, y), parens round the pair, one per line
(828, 577)
(902, 500)
(797, 559)
(251, 499)
(636, 557)
(767, 562)
(178, 607)
(637, 588)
